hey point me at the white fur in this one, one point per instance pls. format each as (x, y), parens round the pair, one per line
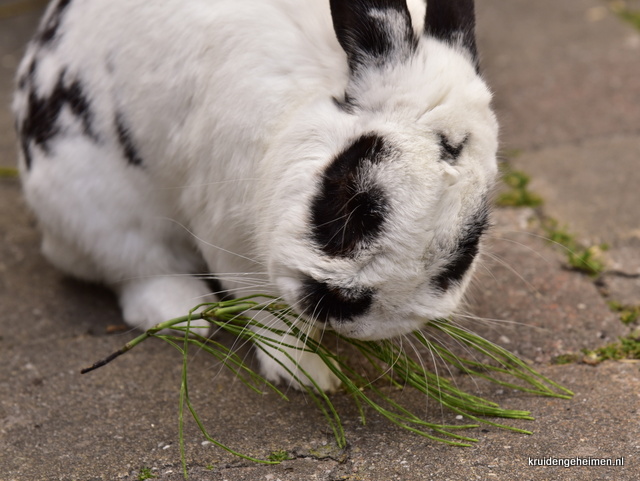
(230, 107)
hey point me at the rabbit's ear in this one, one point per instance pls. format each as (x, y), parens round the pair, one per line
(373, 32)
(452, 21)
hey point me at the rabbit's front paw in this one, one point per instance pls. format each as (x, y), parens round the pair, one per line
(147, 302)
(308, 369)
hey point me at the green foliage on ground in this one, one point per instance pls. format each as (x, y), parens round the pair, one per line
(624, 348)
(8, 173)
(585, 259)
(628, 15)
(518, 193)
(145, 473)
(628, 314)
(279, 456)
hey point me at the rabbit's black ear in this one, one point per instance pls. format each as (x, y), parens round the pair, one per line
(373, 32)
(453, 21)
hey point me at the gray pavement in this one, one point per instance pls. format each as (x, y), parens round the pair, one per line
(566, 78)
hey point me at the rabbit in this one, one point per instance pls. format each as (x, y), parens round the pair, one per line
(336, 154)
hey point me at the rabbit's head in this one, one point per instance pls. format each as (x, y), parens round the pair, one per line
(384, 193)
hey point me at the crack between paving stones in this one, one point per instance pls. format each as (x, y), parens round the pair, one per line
(341, 460)
(241, 465)
(624, 275)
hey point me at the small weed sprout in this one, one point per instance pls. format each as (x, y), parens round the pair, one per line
(390, 361)
(625, 348)
(279, 456)
(563, 359)
(8, 173)
(145, 473)
(585, 259)
(625, 13)
(518, 193)
(628, 314)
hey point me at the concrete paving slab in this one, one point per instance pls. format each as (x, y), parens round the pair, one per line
(561, 71)
(546, 310)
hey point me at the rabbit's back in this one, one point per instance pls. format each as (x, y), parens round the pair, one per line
(173, 80)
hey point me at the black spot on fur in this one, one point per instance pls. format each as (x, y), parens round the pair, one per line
(49, 27)
(124, 137)
(41, 121)
(26, 151)
(348, 211)
(466, 250)
(217, 288)
(325, 302)
(448, 152)
(27, 78)
(347, 104)
(453, 21)
(366, 38)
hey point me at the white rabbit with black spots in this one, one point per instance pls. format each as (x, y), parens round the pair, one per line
(337, 154)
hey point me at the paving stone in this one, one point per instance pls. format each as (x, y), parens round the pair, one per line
(561, 71)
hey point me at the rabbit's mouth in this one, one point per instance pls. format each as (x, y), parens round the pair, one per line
(354, 312)
(325, 302)
(366, 313)
(375, 326)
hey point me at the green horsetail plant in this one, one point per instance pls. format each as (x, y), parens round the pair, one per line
(389, 360)
(9, 173)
